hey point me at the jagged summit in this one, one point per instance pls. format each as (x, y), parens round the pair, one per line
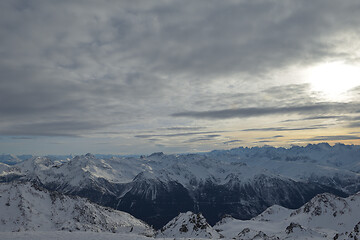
(325, 203)
(325, 216)
(156, 154)
(89, 155)
(189, 225)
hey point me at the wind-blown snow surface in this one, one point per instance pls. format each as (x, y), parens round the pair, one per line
(241, 182)
(324, 217)
(25, 207)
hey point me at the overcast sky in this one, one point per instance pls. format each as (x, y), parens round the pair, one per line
(177, 76)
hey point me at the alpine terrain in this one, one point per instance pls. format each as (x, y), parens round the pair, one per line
(241, 182)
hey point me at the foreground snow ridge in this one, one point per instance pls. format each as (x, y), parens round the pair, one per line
(323, 217)
(26, 207)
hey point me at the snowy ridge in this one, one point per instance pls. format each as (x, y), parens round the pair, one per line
(25, 207)
(189, 225)
(4, 168)
(10, 159)
(188, 170)
(337, 166)
(298, 163)
(9, 173)
(324, 217)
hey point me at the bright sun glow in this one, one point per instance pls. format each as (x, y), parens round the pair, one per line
(333, 79)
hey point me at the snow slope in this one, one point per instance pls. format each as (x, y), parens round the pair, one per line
(324, 217)
(61, 235)
(25, 207)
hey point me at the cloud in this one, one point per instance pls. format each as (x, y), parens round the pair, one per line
(321, 117)
(264, 141)
(60, 128)
(354, 125)
(354, 122)
(78, 68)
(273, 137)
(265, 111)
(176, 134)
(247, 36)
(330, 138)
(232, 141)
(280, 129)
(184, 128)
(289, 94)
(201, 139)
(277, 136)
(23, 138)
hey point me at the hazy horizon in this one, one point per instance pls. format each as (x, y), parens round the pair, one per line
(99, 154)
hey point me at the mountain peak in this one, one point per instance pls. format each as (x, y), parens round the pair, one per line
(89, 155)
(156, 154)
(189, 224)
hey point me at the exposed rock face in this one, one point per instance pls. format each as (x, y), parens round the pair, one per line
(320, 218)
(189, 225)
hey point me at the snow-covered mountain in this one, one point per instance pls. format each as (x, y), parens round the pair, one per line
(26, 207)
(188, 225)
(4, 167)
(241, 182)
(326, 216)
(12, 159)
(29, 208)
(9, 173)
(9, 159)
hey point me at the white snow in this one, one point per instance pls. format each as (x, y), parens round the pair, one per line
(188, 225)
(318, 163)
(25, 207)
(61, 235)
(321, 218)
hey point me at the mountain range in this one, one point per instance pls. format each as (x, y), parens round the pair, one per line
(240, 182)
(31, 212)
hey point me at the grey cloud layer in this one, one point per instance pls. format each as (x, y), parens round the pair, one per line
(201, 139)
(320, 108)
(75, 67)
(282, 129)
(233, 141)
(330, 138)
(176, 134)
(59, 128)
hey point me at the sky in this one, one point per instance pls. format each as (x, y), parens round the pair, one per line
(136, 77)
